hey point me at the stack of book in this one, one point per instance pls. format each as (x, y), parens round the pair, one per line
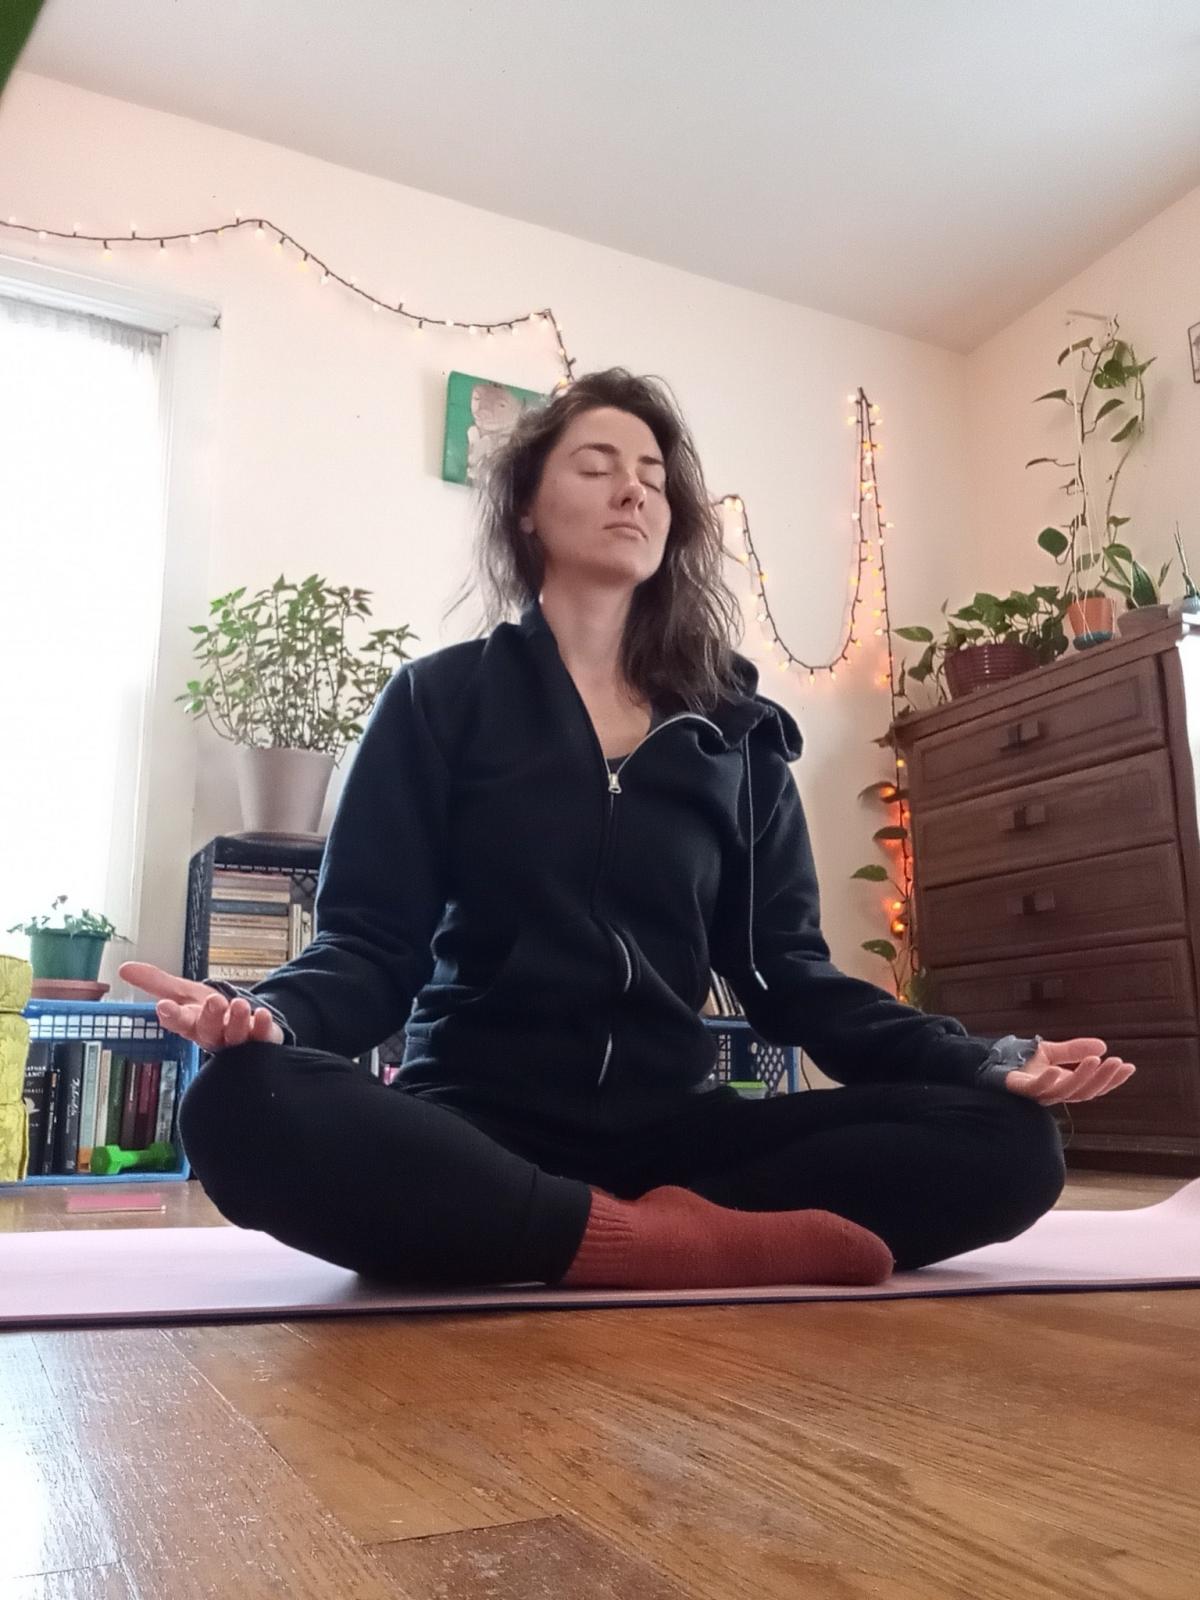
(722, 1002)
(255, 925)
(81, 1093)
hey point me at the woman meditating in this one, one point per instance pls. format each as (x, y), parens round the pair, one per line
(548, 838)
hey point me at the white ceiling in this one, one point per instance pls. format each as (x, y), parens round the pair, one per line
(929, 166)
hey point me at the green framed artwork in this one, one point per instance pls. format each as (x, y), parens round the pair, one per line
(480, 415)
(16, 24)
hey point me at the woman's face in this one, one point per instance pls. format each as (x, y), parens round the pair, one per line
(601, 509)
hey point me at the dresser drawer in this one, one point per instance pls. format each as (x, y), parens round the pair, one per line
(1136, 989)
(1161, 1100)
(1136, 894)
(1075, 817)
(1111, 715)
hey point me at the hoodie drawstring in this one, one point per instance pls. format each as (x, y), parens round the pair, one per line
(746, 779)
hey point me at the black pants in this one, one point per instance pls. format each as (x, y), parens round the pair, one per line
(311, 1149)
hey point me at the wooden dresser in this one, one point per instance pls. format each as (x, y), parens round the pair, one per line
(1057, 865)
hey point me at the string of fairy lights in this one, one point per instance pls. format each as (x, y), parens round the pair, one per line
(868, 523)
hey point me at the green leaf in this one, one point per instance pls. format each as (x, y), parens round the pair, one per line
(1052, 394)
(1053, 540)
(881, 947)
(1123, 433)
(889, 833)
(1109, 405)
(874, 873)
(916, 635)
(1144, 592)
(1038, 460)
(1117, 522)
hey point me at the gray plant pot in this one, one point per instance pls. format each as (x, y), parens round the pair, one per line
(282, 791)
(1141, 619)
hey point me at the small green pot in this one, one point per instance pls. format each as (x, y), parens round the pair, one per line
(54, 953)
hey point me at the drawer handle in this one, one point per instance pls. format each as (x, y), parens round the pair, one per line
(1033, 991)
(1021, 818)
(1019, 734)
(1029, 905)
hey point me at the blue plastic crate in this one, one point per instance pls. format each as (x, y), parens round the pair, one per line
(743, 1057)
(134, 1028)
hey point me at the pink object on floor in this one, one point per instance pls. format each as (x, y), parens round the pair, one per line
(115, 1200)
(129, 1275)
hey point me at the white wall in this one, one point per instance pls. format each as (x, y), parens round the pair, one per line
(1150, 282)
(328, 418)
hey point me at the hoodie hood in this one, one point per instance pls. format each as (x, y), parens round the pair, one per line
(735, 716)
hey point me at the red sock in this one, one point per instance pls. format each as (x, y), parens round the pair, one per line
(675, 1239)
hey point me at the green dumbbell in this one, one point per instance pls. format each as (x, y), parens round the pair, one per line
(111, 1158)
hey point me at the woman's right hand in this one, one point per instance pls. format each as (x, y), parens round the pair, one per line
(199, 1013)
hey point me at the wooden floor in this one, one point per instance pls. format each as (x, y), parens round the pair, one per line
(1002, 1446)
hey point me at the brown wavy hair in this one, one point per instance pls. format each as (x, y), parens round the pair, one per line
(684, 621)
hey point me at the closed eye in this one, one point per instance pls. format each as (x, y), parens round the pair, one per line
(592, 472)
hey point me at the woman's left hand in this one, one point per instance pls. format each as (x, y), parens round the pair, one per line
(1075, 1069)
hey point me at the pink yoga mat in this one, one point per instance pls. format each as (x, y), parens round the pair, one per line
(129, 1275)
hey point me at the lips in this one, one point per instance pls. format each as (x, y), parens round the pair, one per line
(626, 527)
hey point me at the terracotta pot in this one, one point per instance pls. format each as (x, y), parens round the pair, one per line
(1090, 620)
(976, 666)
(67, 989)
(282, 791)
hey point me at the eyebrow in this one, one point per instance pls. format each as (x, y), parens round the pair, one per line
(611, 450)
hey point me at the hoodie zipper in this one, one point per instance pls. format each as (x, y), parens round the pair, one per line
(614, 789)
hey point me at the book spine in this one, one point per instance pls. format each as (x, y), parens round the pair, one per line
(101, 1119)
(70, 1053)
(168, 1090)
(116, 1099)
(33, 1092)
(50, 1135)
(92, 1050)
(147, 1106)
(129, 1104)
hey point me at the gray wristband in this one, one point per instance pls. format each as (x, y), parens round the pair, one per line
(232, 992)
(1005, 1056)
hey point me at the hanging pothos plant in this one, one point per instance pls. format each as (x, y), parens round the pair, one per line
(909, 980)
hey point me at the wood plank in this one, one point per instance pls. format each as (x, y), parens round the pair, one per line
(194, 1500)
(50, 1517)
(85, 1583)
(380, 1462)
(546, 1559)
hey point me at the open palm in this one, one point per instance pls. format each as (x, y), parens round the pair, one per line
(196, 1012)
(1070, 1070)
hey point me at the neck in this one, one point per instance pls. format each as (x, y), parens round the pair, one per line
(588, 629)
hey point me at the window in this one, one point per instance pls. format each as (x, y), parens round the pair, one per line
(81, 594)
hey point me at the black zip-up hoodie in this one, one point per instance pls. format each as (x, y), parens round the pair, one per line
(544, 928)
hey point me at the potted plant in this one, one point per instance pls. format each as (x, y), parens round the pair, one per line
(1190, 603)
(1121, 572)
(987, 641)
(1106, 386)
(1144, 606)
(71, 951)
(281, 682)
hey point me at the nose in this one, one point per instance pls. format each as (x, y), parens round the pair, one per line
(632, 492)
